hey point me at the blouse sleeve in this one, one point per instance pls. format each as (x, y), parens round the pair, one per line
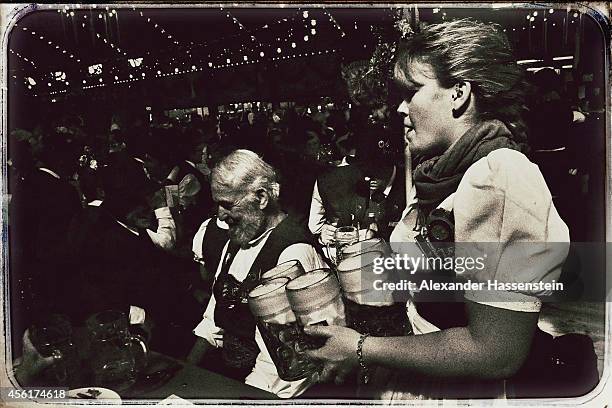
(504, 213)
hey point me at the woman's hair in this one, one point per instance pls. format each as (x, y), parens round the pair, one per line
(467, 50)
(244, 169)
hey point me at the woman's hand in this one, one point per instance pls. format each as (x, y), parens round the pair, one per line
(338, 355)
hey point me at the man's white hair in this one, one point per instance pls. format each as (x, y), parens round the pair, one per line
(244, 169)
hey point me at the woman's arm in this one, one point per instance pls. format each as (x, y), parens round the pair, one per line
(494, 345)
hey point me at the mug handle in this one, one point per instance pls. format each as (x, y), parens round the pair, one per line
(59, 367)
(140, 351)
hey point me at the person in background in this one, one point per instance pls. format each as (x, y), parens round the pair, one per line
(41, 212)
(121, 258)
(343, 196)
(551, 119)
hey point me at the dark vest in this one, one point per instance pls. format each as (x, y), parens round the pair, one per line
(232, 310)
(344, 192)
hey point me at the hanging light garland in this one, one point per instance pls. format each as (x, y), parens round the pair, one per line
(101, 15)
(334, 22)
(22, 57)
(111, 45)
(234, 19)
(243, 55)
(51, 44)
(161, 30)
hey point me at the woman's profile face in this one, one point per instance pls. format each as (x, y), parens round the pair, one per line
(427, 112)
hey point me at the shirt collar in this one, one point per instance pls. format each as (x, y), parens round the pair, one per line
(390, 183)
(132, 230)
(51, 172)
(344, 161)
(264, 235)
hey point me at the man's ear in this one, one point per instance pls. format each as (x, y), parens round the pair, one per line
(263, 198)
(461, 95)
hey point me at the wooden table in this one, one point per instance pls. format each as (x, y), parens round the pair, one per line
(192, 382)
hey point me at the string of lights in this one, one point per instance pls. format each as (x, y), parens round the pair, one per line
(22, 57)
(102, 15)
(230, 61)
(234, 19)
(333, 21)
(161, 30)
(281, 43)
(50, 43)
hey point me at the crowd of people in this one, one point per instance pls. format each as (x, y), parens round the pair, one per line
(174, 222)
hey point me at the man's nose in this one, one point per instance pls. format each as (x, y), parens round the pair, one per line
(222, 213)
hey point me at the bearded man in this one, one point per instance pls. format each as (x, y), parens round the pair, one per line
(245, 188)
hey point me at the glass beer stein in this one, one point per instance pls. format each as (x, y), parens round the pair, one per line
(53, 337)
(280, 331)
(116, 354)
(370, 311)
(342, 237)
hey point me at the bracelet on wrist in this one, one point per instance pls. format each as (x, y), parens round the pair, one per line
(364, 373)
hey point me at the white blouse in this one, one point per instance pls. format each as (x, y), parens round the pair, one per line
(503, 207)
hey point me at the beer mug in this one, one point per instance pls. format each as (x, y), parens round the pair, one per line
(370, 311)
(280, 330)
(53, 337)
(343, 236)
(116, 354)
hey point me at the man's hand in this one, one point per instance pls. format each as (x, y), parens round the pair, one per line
(197, 351)
(327, 234)
(338, 355)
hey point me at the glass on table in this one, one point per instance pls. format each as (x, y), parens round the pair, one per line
(116, 354)
(52, 337)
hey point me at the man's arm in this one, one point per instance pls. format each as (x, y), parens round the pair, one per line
(316, 218)
(165, 236)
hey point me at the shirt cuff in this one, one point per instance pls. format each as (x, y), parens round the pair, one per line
(163, 212)
(137, 315)
(518, 302)
(207, 330)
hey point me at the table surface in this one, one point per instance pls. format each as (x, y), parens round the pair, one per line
(192, 382)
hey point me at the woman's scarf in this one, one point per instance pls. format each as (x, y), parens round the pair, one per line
(437, 178)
